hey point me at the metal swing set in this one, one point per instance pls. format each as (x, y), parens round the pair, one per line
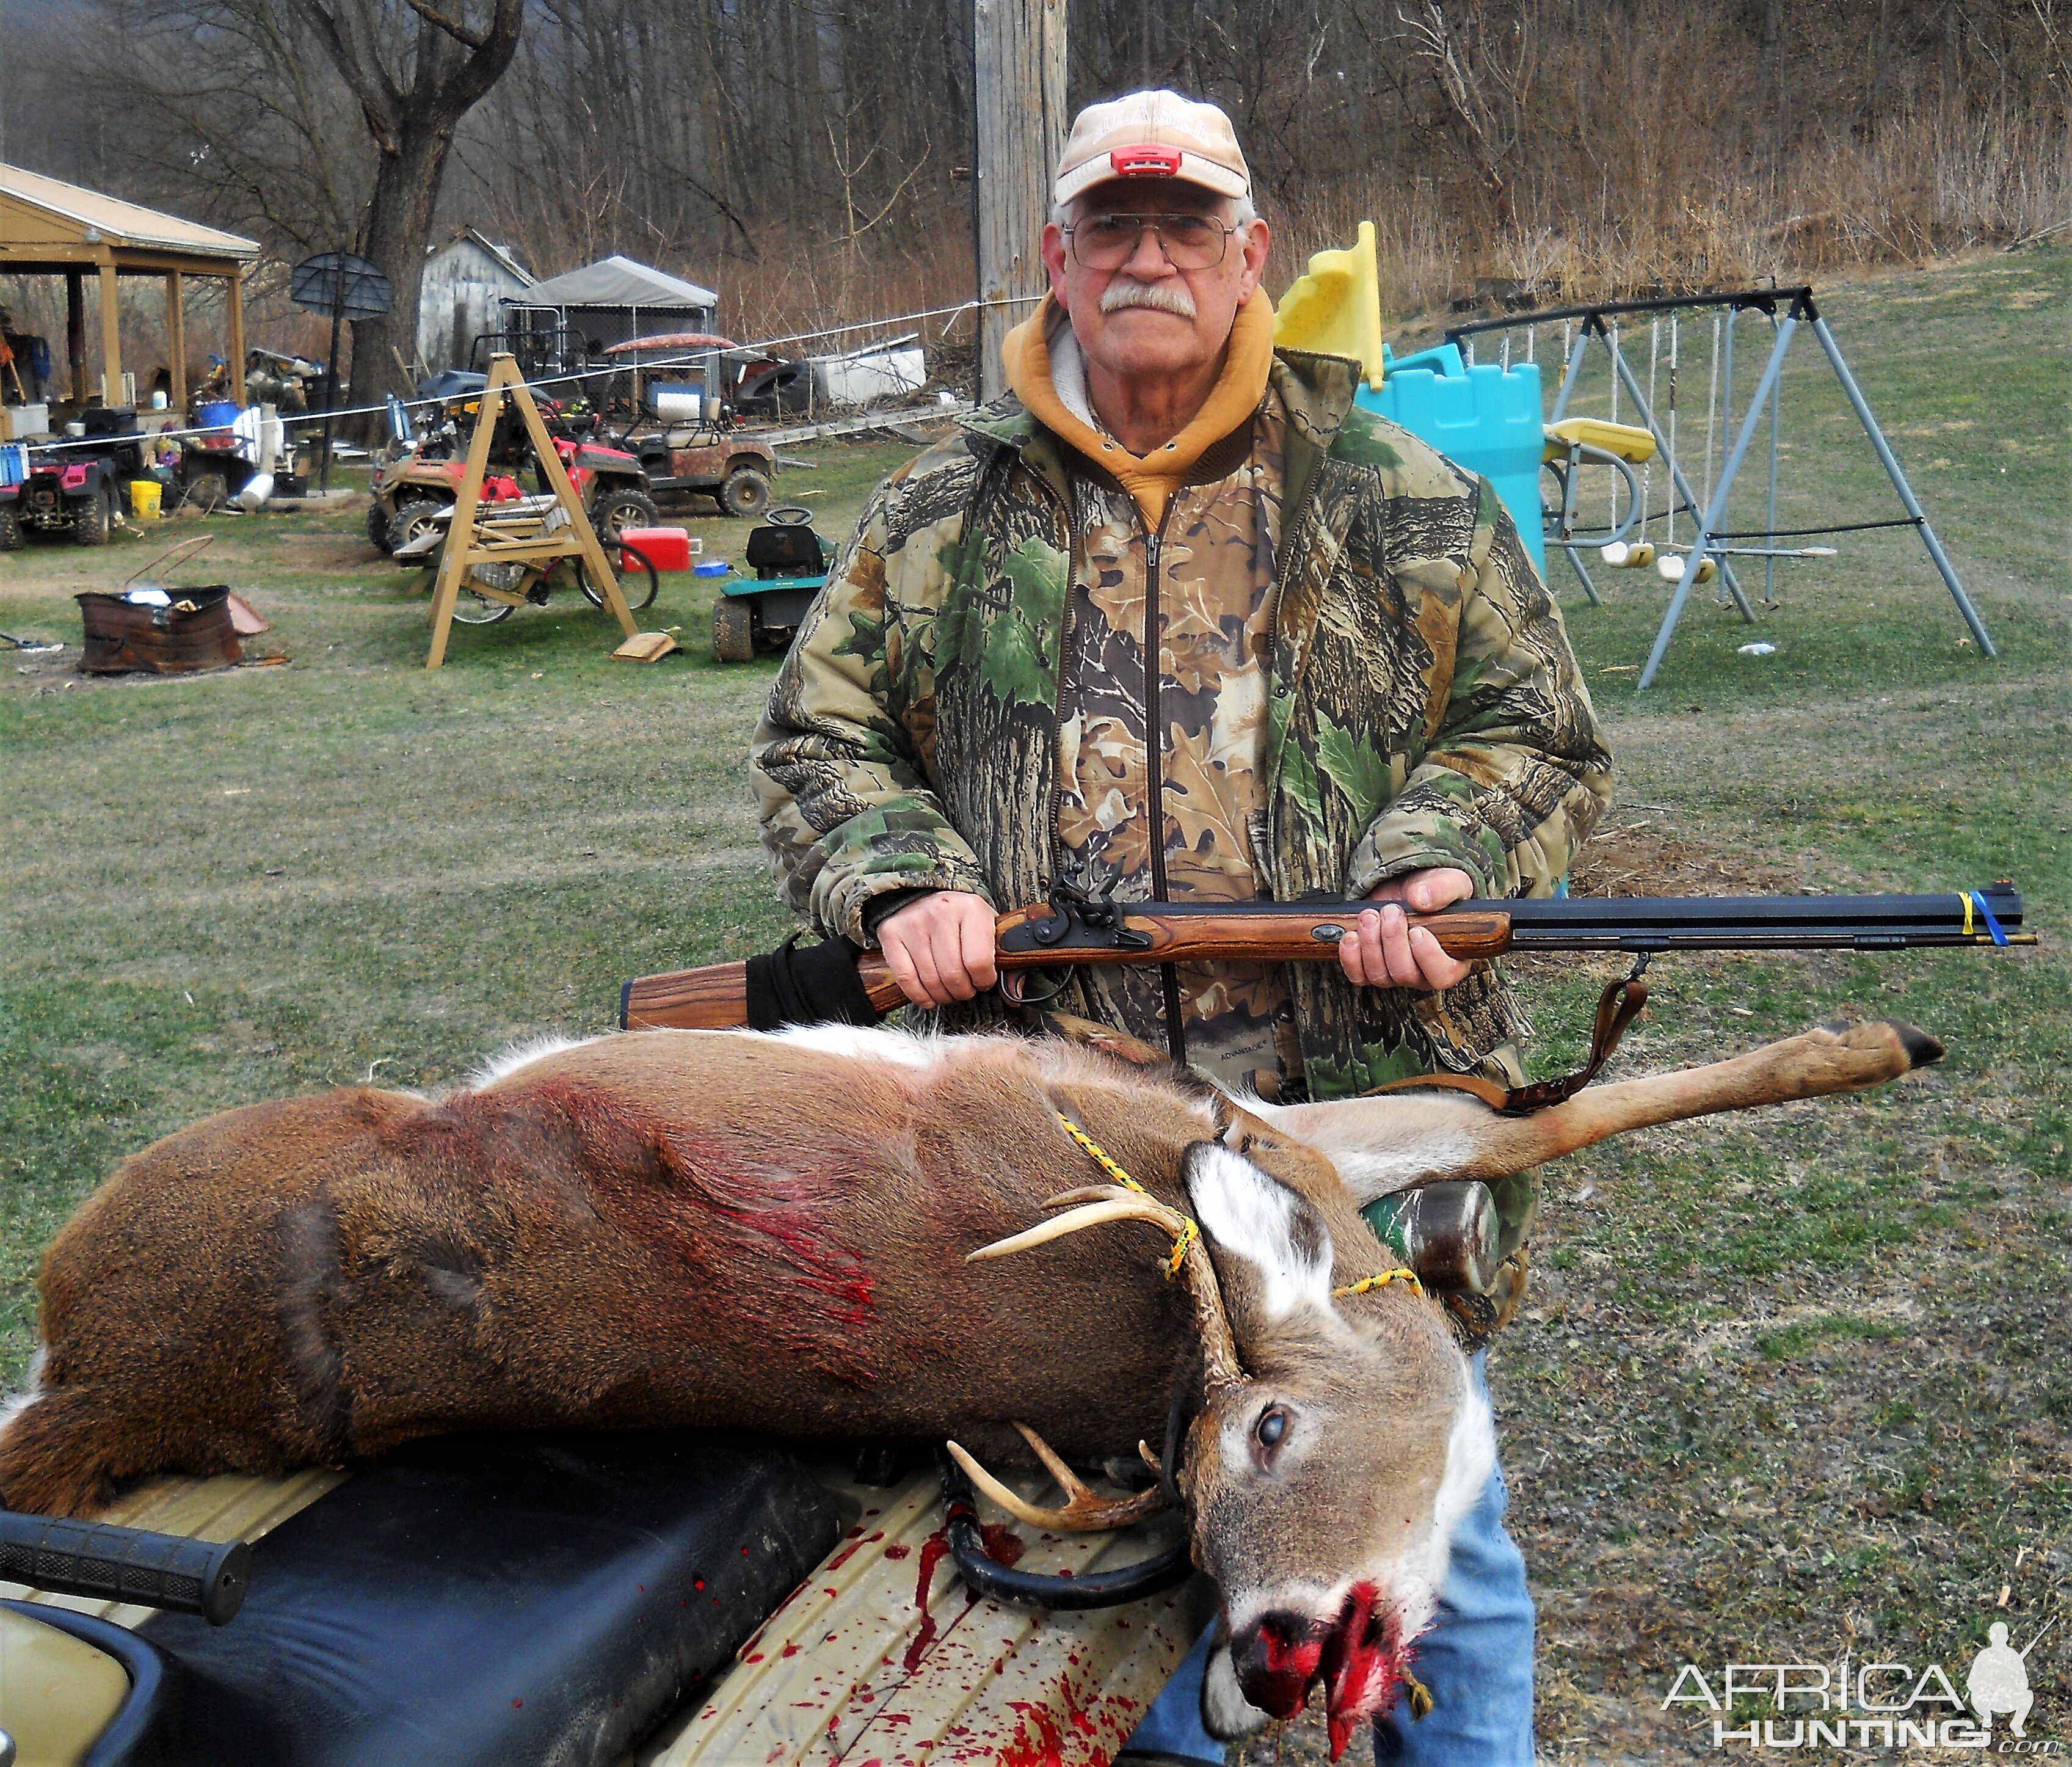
(1630, 450)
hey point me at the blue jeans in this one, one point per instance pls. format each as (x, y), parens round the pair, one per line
(1476, 1659)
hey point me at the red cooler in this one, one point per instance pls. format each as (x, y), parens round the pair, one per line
(666, 548)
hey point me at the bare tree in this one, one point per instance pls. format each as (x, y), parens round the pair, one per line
(810, 158)
(226, 107)
(415, 73)
(1485, 80)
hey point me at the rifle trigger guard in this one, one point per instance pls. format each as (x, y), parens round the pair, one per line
(1013, 987)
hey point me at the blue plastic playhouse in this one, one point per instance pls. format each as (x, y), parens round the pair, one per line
(1484, 417)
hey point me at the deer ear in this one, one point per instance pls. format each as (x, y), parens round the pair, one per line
(1255, 1217)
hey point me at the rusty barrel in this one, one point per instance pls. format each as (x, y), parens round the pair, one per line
(194, 631)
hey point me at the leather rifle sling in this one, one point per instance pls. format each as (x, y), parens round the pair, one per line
(1617, 1007)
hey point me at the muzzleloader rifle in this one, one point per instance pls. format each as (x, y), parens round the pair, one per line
(1446, 1232)
(836, 981)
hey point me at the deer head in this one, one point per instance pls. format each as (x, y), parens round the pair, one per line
(1337, 1447)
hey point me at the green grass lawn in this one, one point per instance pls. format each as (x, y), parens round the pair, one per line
(1787, 1386)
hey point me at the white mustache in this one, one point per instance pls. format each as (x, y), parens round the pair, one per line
(1167, 297)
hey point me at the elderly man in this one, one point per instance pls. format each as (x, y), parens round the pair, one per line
(1179, 621)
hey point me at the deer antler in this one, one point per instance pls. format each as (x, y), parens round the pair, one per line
(1084, 1513)
(1100, 1204)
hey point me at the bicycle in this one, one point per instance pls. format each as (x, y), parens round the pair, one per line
(472, 607)
(493, 592)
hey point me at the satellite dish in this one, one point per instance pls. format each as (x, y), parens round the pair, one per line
(339, 285)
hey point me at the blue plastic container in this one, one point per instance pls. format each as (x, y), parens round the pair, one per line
(711, 567)
(13, 463)
(1486, 418)
(217, 414)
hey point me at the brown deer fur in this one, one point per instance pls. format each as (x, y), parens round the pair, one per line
(771, 1232)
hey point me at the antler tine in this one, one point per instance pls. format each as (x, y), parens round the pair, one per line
(1087, 1193)
(1084, 1511)
(1125, 1205)
(1197, 1275)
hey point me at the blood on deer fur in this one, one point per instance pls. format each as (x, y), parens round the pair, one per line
(670, 1228)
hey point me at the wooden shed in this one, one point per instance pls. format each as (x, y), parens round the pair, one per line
(50, 227)
(465, 282)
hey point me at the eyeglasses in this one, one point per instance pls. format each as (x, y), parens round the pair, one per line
(1107, 242)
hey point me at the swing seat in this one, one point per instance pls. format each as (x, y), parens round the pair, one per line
(1623, 439)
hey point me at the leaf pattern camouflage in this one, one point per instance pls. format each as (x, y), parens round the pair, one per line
(1421, 706)
(1205, 587)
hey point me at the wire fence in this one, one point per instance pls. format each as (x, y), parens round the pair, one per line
(689, 358)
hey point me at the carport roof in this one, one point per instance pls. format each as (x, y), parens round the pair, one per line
(46, 218)
(617, 282)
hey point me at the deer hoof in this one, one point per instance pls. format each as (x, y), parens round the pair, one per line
(1922, 1050)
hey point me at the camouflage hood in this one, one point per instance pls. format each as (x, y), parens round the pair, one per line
(1423, 707)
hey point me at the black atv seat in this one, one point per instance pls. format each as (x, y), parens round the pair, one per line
(784, 552)
(479, 1601)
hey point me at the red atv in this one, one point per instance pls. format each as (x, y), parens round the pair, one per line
(421, 475)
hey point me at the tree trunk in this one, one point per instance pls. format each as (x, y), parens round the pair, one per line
(399, 228)
(449, 63)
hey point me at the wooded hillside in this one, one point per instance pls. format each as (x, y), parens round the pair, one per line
(811, 158)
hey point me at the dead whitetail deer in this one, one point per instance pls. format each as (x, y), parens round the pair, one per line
(829, 1232)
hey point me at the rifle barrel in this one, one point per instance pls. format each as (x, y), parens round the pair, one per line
(1697, 923)
(1041, 937)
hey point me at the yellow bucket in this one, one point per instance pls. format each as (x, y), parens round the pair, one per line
(144, 495)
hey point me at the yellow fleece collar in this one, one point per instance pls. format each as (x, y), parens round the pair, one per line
(1151, 479)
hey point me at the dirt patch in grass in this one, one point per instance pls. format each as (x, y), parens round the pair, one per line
(1637, 854)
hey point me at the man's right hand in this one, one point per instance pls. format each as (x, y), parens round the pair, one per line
(940, 946)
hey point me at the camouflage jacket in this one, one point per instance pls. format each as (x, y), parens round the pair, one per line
(1424, 707)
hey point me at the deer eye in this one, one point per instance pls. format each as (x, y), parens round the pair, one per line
(1272, 1426)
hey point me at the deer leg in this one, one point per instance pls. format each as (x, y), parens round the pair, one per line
(1383, 1144)
(1833, 1058)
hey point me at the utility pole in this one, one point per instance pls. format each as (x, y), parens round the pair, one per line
(1018, 114)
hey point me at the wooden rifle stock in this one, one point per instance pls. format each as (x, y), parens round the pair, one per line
(716, 997)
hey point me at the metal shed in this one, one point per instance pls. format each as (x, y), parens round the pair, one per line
(616, 299)
(50, 227)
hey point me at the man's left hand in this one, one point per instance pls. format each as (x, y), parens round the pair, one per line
(1384, 950)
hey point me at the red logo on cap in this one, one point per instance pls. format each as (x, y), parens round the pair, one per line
(1145, 161)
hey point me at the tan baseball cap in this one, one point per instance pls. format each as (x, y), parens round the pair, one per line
(1152, 134)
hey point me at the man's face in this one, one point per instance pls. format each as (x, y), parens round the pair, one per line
(1146, 317)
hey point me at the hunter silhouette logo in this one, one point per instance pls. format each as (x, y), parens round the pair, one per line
(1999, 1680)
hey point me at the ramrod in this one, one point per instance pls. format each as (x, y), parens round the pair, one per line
(775, 1231)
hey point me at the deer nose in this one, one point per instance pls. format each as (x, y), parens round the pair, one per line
(1277, 1659)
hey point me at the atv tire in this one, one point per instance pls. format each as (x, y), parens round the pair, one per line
(378, 519)
(614, 512)
(734, 631)
(746, 492)
(412, 516)
(92, 518)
